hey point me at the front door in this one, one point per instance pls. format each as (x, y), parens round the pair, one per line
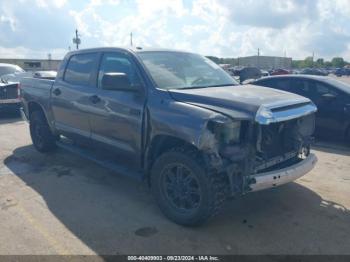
(116, 120)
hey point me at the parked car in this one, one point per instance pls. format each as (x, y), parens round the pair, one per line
(249, 73)
(50, 75)
(9, 97)
(9, 69)
(9, 92)
(331, 97)
(279, 72)
(313, 71)
(264, 73)
(175, 119)
(342, 72)
(15, 77)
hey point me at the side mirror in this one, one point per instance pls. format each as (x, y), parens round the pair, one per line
(117, 81)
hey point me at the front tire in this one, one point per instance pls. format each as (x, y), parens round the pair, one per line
(185, 191)
(42, 137)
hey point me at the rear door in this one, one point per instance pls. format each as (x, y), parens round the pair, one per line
(71, 95)
(116, 120)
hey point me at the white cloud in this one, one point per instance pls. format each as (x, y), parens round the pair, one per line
(211, 27)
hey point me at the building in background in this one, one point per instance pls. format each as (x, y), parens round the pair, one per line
(265, 62)
(34, 64)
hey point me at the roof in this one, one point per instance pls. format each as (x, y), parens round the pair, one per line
(8, 65)
(128, 49)
(315, 77)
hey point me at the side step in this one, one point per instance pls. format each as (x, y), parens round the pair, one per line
(95, 157)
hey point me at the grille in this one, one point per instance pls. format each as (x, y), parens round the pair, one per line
(279, 142)
(9, 92)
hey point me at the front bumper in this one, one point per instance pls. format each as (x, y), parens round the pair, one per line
(282, 176)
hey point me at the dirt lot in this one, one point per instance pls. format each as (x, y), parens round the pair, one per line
(63, 204)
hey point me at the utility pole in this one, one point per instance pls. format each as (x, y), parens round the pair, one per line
(313, 59)
(77, 40)
(131, 39)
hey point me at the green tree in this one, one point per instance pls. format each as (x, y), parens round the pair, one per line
(214, 59)
(338, 62)
(320, 62)
(328, 64)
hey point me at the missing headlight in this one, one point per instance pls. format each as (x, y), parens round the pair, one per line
(226, 132)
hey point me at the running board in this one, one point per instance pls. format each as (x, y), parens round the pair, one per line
(106, 163)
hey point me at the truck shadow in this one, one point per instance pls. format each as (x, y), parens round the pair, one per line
(339, 147)
(112, 214)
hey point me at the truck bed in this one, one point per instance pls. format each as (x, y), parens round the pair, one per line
(39, 90)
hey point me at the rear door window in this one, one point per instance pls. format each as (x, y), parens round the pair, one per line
(279, 83)
(81, 69)
(300, 86)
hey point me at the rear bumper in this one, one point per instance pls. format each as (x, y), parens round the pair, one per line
(10, 103)
(282, 176)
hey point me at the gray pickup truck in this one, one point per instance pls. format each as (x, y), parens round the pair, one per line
(175, 119)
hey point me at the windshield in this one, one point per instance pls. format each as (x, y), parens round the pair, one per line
(177, 70)
(4, 70)
(340, 85)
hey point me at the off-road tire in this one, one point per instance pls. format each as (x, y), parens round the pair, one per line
(42, 137)
(213, 187)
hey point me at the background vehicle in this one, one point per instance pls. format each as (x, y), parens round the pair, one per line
(249, 73)
(176, 119)
(314, 71)
(332, 98)
(279, 72)
(342, 72)
(9, 69)
(50, 75)
(9, 92)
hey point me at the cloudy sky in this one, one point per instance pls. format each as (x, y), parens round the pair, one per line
(225, 28)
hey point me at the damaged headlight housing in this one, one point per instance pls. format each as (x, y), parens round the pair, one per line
(226, 131)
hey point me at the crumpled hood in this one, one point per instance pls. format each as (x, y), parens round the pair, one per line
(239, 102)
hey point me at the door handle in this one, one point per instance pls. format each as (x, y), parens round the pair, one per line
(94, 99)
(57, 91)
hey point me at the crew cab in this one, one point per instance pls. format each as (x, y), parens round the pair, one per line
(175, 119)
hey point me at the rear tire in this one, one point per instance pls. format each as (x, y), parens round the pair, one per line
(42, 137)
(191, 196)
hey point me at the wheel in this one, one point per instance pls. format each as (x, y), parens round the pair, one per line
(185, 191)
(42, 137)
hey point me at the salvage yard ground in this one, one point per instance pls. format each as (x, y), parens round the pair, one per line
(63, 204)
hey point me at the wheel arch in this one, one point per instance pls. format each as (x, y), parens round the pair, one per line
(161, 144)
(36, 106)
